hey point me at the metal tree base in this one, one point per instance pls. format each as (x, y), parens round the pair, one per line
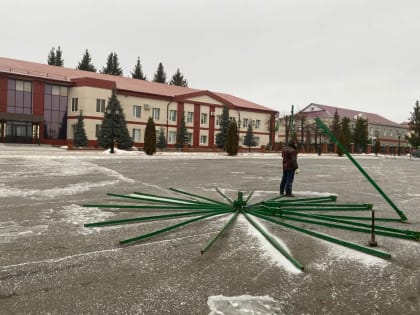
(313, 211)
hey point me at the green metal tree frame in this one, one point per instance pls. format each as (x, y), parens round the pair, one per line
(312, 211)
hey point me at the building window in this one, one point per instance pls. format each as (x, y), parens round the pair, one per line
(19, 129)
(73, 130)
(74, 104)
(172, 115)
(156, 113)
(257, 124)
(203, 139)
(172, 137)
(190, 116)
(97, 130)
(100, 105)
(19, 97)
(218, 120)
(189, 138)
(136, 134)
(246, 122)
(136, 111)
(55, 112)
(203, 119)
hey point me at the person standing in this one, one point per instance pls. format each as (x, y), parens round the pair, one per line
(290, 166)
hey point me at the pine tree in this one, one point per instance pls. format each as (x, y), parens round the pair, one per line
(51, 57)
(346, 136)
(162, 143)
(414, 127)
(58, 57)
(232, 140)
(114, 126)
(137, 71)
(150, 137)
(224, 124)
(86, 63)
(360, 134)
(178, 79)
(336, 130)
(160, 75)
(112, 66)
(181, 133)
(249, 139)
(377, 146)
(55, 57)
(80, 138)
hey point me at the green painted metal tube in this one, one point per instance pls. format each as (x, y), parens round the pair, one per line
(166, 229)
(212, 241)
(151, 207)
(351, 228)
(175, 200)
(322, 207)
(360, 168)
(328, 238)
(224, 196)
(283, 200)
(273, 242)
(197, 196)
(377, 227)
(149, 218)
(360, 218)
(249, 196)
(161, 200)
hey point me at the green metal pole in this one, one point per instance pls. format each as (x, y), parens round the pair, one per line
(149, 218)
(180, 200)
(415, 234)
(274, 243)
(328, 238)
(374, 184)
(232, 219)
(350, 228)
(359, 218)
(168, 228)
(151, 207)
(224, 196)
(196, 196)
(155, 199)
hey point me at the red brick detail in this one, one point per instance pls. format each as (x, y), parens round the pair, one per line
(38, 98)
(212, 120)
(196, 130)
(3, 94)
(180, 111)
(92, 82)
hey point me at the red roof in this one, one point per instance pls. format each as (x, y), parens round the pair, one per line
(32, 69)
(329, 111)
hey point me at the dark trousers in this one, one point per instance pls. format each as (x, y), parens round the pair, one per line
(287, 182)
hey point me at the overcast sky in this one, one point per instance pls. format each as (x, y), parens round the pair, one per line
(356, 54)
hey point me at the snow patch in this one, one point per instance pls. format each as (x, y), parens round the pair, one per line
(77, 216)
(243, 304)
(10, 231)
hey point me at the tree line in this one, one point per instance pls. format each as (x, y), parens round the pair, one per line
(112, 67)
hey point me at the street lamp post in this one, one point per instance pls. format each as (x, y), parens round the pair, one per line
(399, 143)
(114, 115)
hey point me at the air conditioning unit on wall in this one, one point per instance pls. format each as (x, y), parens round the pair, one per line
(146, 106)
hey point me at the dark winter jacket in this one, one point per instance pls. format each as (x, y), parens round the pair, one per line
(289, 156)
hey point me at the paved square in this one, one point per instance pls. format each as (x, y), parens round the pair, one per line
(50, 263)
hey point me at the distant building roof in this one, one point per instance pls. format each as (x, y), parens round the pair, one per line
(318, 110)
(38, 70)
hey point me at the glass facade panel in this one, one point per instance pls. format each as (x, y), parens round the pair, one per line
(19, 101)
(55, 112)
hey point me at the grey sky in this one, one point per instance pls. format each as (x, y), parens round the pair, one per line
(358, 54)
